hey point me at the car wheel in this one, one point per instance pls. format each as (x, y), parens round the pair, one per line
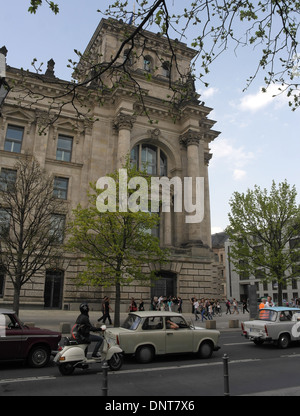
(116, 362)
(39, 356)
(283, 341)
(205, 349)
(145, 354)
(66, 369)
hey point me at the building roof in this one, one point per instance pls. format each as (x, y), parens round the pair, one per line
(218, 240)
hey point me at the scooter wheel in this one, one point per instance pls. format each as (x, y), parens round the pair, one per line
(116, 362)
(66, 369)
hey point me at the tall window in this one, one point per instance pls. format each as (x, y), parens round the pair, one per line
(64, 148)
(4, 222)
(147, 64)
(151, 157)
(13, 139)
(58, 227)
(166, 69)
(61, 187)
(127, 57)
(8, 178)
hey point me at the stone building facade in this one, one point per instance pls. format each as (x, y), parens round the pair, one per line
(77, 152)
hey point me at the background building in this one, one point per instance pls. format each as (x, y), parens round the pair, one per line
(238, 284)
(77, 152)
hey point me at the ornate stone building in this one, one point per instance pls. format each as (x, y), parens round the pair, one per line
(77, 152)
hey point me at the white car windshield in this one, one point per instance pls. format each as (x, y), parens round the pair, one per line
(131, 322)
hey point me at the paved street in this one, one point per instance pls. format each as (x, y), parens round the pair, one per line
(253, 370)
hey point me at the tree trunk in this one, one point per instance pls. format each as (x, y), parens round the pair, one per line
(117, 305)
(279, 293)
(17, 291)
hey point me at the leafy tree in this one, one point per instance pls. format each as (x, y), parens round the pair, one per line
(270, 27)
(34, 4)
(116, 245)
(31, 223)
(265, 228)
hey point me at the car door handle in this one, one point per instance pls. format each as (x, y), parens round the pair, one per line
(169, 333)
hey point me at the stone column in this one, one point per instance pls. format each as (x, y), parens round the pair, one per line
(167, 228)
(123, 123)
(206, 229)
(191, 139)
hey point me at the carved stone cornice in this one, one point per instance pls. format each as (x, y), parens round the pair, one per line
(190, 138)
(207, 158)
(123, 122)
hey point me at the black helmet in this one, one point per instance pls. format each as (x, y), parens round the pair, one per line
(84, 308)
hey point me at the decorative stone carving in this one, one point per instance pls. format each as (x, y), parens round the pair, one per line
(42, 119)
(50, 69)
(190, 138)
(207, 157)
(123, 122)
(155, 134)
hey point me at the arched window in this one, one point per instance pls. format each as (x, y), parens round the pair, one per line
(150, 157)
(166, 69)
(147, 63)
(127, 57)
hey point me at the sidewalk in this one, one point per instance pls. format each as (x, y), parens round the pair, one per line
(52, 319)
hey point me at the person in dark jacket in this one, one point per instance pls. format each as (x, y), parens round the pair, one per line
(84, 327)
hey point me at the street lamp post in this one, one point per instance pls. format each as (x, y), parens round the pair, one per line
(4, 87)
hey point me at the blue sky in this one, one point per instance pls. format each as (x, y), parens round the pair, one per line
(260, 135)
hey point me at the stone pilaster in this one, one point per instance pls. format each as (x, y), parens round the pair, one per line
(123, 123)
(192, 140)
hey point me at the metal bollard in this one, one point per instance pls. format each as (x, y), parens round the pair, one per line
(226, 375)
(105, 379)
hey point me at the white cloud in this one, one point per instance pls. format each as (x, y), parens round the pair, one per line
(207, 92)
(239, 174)
(236, 157)
(255, 102)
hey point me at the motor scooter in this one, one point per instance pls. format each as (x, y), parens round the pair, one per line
(74, 355)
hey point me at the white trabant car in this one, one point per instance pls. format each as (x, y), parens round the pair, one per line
(279, 325)
(149, 333)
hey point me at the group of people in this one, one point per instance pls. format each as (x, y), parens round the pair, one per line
(266, 303)
(164, 303)
(235, 305)
(205, 307)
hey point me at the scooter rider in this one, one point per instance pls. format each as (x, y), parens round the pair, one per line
(84, 327)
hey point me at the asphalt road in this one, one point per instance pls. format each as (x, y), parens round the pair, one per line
(253, 370)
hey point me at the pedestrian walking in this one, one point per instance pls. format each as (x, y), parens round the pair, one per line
(141, 305)
(132, 306)
(196, 311)
(245, 306)
(235, 306)
(106, 309)
(228, 305)
(179, 304)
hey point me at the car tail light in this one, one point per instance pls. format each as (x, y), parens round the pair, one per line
(60, 348)
(243, 329)
(266, 330)
(118, 342)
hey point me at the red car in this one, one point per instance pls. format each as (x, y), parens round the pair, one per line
(19, 342)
